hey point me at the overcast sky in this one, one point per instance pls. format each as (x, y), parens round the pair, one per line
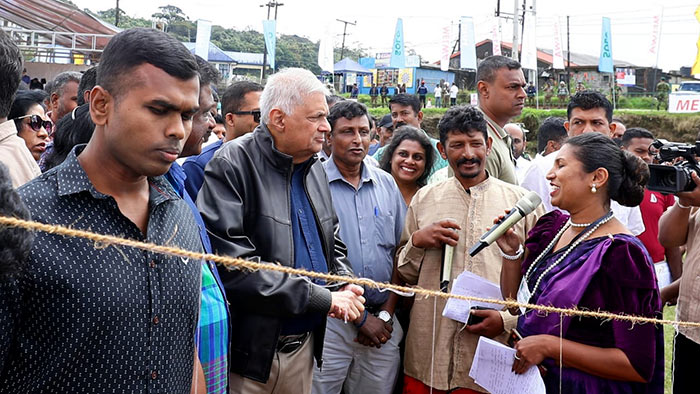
(376, 20)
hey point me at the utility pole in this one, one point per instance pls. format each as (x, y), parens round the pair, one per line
(345, 28)
(116, 15)
(522, 28)
(458, 44)
(271, 4)
(514, 52)
(568, 55)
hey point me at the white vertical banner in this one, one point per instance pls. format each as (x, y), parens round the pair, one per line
(557, 51)
(201, 46)
(655, 37)
(467, 46)
(325, 49)
(495, 35)
(445, 46)
(528, 57)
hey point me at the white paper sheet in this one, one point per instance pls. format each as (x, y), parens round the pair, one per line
(491, 369)
(470, 284)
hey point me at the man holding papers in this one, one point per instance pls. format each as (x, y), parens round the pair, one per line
(471, 199)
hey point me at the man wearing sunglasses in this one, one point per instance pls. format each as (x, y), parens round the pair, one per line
(240, 105)
(13, 150)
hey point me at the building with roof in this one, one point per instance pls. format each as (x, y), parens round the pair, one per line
(233, 65)
(55, 36)
(411, 75)
(247, 64)
(583, 68)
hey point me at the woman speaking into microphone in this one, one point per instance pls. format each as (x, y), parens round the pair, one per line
(587, 259)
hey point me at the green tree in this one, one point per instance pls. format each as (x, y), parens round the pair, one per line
(169, 14)
(125, 21)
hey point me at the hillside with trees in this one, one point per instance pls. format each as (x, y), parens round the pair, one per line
(292, 50)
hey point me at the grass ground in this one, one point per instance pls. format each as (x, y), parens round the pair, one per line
(670, 314)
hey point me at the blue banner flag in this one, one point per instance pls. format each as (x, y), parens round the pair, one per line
(605, 63)
(270, 40)
(398, 57)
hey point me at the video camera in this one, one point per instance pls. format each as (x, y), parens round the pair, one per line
(673, 178)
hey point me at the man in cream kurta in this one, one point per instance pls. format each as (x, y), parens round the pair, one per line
(472, 199)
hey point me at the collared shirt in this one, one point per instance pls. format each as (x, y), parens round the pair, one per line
(474, 211)
(521, 166)
(500, 162)
(15, 155)
(371, 219)
(689, 293)
(308, 251)
(96, 317)
(652, 207)
(535, 179)
(437, 165)
(212, 334)
(194, 168)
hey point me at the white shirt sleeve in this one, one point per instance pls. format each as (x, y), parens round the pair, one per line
(631, 217)
(536, 181)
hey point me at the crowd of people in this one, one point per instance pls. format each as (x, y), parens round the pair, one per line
(296, 177)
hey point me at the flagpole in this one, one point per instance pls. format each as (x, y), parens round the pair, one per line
(658, 47)
(614, 84)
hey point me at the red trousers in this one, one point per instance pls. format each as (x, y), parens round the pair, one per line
(415, 386)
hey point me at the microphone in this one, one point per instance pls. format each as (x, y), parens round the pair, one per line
(522, 208)
(446, 268)
(446, 272)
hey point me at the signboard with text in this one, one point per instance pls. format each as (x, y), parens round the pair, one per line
(683, 102)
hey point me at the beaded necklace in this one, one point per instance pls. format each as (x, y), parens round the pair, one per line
(592, 228)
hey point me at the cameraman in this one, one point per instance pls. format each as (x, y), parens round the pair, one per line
(680, 225)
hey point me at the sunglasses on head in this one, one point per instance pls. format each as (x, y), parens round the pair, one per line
(35, 122)
(255, 113)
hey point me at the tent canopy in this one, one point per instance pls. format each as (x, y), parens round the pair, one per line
(348, 65)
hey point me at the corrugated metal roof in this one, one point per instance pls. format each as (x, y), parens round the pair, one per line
(545, 55)
(215, 54)
(248, 58)
(52, 15)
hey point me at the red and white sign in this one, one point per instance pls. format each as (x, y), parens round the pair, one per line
(683, 102)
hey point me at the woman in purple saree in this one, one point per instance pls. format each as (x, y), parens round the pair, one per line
(587, 260)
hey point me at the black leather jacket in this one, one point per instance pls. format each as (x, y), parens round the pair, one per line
(245, 203)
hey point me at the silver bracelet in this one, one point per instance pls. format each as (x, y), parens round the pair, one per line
(678, 202)
(517, 255)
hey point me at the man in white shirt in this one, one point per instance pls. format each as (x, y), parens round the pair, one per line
(438, 96)
(517, 135)
(453, 94)
(587, 112)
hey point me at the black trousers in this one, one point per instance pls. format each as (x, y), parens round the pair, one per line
(686, 365)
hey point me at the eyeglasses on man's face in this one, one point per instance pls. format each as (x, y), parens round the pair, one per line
(255, 113)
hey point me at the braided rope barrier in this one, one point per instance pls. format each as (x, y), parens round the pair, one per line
(233, 263)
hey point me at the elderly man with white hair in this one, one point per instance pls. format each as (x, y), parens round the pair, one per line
(265, 197)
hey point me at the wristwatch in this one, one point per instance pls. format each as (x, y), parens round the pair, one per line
(385, 317)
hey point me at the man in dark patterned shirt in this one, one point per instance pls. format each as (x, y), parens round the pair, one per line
(102, 318)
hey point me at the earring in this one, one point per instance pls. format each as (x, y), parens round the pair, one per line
(594, 189)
